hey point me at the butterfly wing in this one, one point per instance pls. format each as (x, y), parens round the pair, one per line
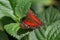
(31, 21)
(32, 16)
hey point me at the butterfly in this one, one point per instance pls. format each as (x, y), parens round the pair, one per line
(31, 21)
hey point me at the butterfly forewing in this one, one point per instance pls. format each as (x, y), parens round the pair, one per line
(31, 21)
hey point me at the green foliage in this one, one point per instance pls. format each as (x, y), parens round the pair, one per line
(11, 11)
(22, 7)
(3, 35)
(12, 29)
(49, 16)
(38, 5)
(6, 10)
(53, 31)
(17, 11)
(48, 32)
(42, 2)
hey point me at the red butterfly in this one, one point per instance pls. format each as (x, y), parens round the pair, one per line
(31, 21)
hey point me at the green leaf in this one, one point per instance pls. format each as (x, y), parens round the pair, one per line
(32, 36)
(1, 15)
(13, 29)
(53, 31)
(13, 4)
(6, 10)
(4, 4)
(7, 20)
(3, 35)
(40, 34)
(22, 8)
(49, 16)
(14, 9)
